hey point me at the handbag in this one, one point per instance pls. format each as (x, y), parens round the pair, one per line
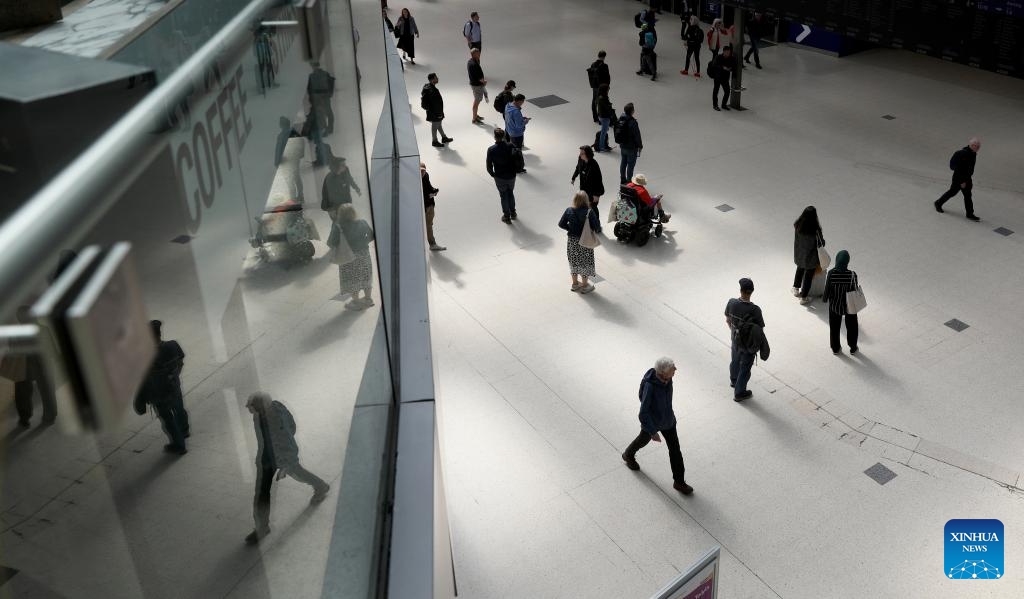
(824, 259)
(855, 300)
(588, 238)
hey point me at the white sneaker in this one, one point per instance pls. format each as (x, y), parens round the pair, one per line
(437, 248)
(795, 291)
(804, 301)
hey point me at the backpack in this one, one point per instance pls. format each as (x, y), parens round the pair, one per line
(517, 159)
(952, 162)
(423, 99)
(619, 133)
(592, 76)
(467, 29)
(501, 100)
(746, 338)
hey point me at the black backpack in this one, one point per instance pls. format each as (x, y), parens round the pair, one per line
(619, 133)
(745, 337)
(501, 100)
(592, 75)
(517, 159)
(424, 104)
(638, 18)
(952, 161)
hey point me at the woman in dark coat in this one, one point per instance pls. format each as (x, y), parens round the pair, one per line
(589, 172)
(405, 29)
(807, 239)
(839, 282)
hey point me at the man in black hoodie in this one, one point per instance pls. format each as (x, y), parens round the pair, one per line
(433, 103)
(962, 164)
(657, 420)
(503, 162)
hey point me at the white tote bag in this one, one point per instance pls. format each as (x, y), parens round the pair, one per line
(823, 258)
(589, 239)
(855, 300)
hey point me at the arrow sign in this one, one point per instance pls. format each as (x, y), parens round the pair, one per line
(803, 35)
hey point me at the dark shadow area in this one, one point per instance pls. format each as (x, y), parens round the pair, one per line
(528, 239)
(446, 269)
(871, 371)
(446, 154)
(270, 276)
(774, 423)
(606, 309)
(659, 250)
(333, 330)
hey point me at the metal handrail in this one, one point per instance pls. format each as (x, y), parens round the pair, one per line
(67, 208)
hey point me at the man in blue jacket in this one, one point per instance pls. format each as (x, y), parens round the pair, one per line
(657, 420)
(515, 122)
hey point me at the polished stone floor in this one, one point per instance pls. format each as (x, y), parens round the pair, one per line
(538, 384)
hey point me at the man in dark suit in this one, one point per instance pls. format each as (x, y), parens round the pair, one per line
(162, 390)
(962, 164)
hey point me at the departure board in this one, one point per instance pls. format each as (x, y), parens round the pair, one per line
(987, 34)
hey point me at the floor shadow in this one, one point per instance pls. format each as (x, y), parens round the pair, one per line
(606, 309)
(528, 239)
(333, 330)
(868, 369)
(450, 156)
(659, 250)
(446, 269)
(269, 276)
(773, 422)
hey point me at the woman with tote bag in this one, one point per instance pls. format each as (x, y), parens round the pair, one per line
(807, 239)
(845, 298)
(579, 221)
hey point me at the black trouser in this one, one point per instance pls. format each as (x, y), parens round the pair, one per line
(695, 53)
(852, 330)
(23, 391)
(649, 62)
(675, 456)
(954, 189)
(802, 280)
(754, 50)
(723, 84)
(173, 418)
(593, 103)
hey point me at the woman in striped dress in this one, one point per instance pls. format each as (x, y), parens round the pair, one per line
(839, 281)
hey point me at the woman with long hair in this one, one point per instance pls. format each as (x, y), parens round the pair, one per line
(405, 29)
(807, 238)
(589, 173)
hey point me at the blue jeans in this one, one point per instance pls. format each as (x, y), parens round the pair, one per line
(627, 164)
(739, 369)
(508, 199)
(602, 142)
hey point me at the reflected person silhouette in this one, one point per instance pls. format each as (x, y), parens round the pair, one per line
(162, 390)
(277, 456)
(355, 269)
(320, 89)
(27, 374)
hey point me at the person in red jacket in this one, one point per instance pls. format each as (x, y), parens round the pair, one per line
(639, 184)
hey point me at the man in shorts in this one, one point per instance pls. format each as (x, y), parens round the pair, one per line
(476, 82)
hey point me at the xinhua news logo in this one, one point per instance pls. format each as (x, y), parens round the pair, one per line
(974, 549)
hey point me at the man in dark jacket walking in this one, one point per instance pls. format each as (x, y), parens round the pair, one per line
(630, 143)
(739, 314)
(598, 74)
(503, 162)
(162, 390)
(962, 164)
(722, 69)
(433, 103)
(657, 420)
(757, 27)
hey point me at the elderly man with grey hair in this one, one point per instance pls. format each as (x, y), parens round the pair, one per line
(657, 419)
(962, 165)
(276, 454)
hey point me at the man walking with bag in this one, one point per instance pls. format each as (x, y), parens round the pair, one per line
(744, 319)
(162, 390)
(598, 74)
(657, 420)
(962, 165)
